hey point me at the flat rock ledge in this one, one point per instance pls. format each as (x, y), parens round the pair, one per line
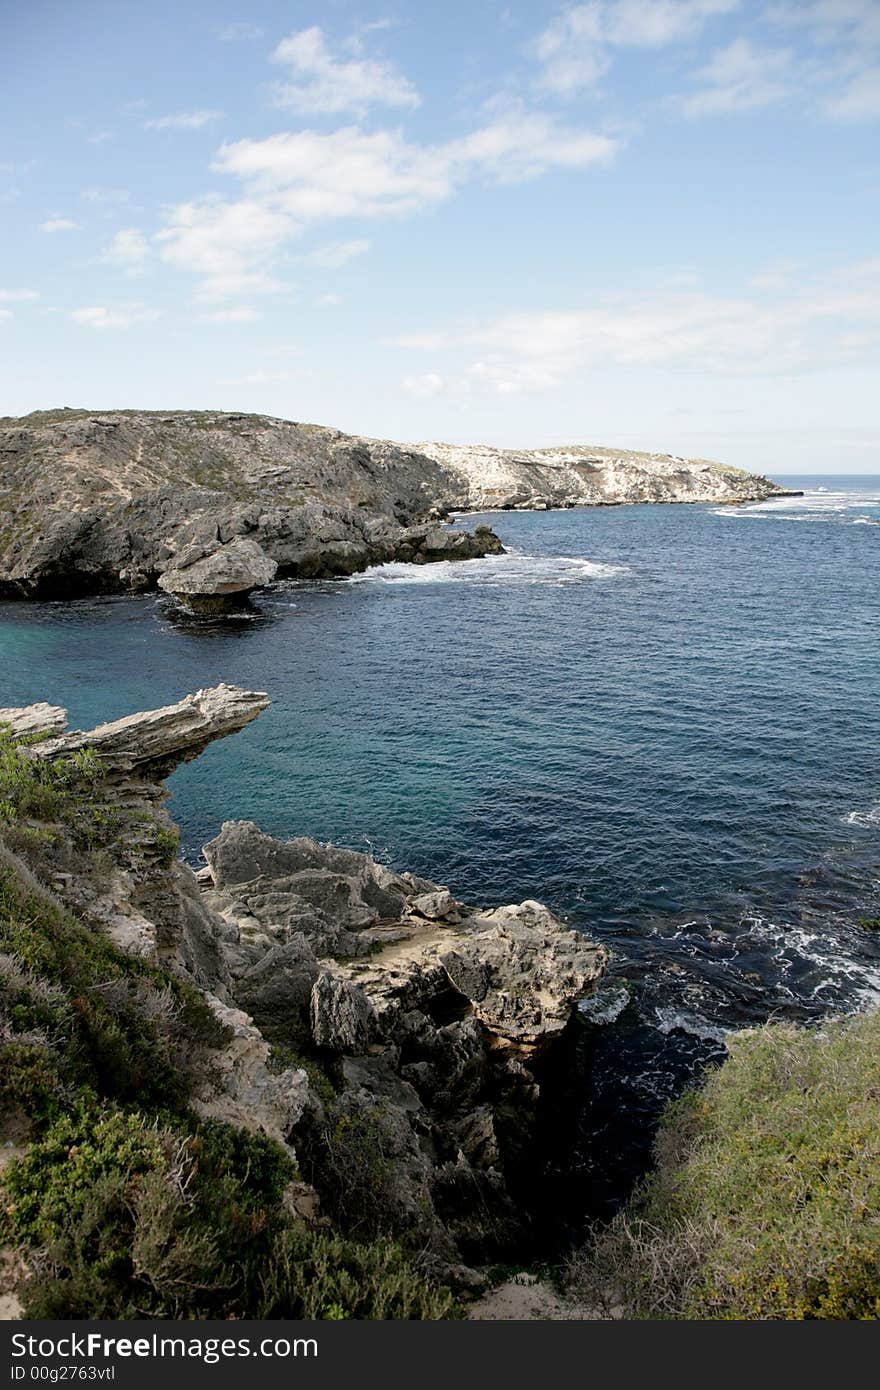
(171, 734)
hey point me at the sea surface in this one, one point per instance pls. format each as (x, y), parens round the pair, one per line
(663, 721)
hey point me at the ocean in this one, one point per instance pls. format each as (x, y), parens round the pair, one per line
(663, 721)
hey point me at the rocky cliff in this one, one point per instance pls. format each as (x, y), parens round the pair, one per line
(390, 1037)
(210, 505)
(588, 475)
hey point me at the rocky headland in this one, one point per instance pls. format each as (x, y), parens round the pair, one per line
(210, 505)
(390, 1039)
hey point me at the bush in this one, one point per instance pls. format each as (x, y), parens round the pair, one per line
(127, 1218)
(118, 1026)
(766, 1199)
(64, 790)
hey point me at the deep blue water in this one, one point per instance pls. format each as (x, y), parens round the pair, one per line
(662, 721)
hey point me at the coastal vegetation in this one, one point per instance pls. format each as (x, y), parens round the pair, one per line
(120, 1200)
(765, 1201)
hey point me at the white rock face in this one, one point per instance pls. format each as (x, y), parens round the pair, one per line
(587, 475)
(241, 1088)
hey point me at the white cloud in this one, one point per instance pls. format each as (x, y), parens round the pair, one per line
(574, 50)
(17, 296)
(337, 254)
(323, 84)
(60, 224)
(105, 197)
(831, 22)
(297, 178)
(129, 248)
(228, 244)
(833, 320)
(242, 314)
(523, 145)
(182, 120)
(121, 316)
(428, 384)
(329, 301)
(6, 314)
(846, 38)
(352, 172)
(240, 33)
(100, 137)
(740, 77)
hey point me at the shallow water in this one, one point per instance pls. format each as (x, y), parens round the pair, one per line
(663, 721)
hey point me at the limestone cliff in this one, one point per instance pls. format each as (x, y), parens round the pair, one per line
(208, 505)
(587, 475)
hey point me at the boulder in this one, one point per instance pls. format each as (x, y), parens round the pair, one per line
(220, 580)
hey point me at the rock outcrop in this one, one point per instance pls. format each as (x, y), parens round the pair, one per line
(164, 736)
(112, 502)
(425, 1023)
(220, 580)
(587, 475)
(201, 503)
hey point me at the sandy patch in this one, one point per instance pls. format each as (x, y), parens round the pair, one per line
(525, 1298)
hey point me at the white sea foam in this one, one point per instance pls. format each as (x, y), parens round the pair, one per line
(512, 568)
(816, 504)
(863, 819)
(669, 1019)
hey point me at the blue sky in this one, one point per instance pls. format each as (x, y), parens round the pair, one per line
(644, 222)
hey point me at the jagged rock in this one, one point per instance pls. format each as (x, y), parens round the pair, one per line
(240, 1086)
(342, 1015)
(34, 719)
(277, 990)
(431, 1019)
(523, 971)
(519, 969)
(220, 580)
(172, 734)
(439, 906)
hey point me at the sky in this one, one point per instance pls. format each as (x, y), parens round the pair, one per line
(645, 223)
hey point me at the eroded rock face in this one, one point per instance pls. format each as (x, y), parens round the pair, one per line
(433, 1014)
(242, 1088)
(587, 475)
(112, 502)
(221, 579)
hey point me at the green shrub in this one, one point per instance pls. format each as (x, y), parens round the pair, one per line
(124, 1027)
(127, 1218)
(766, 1199)
(347, 1160)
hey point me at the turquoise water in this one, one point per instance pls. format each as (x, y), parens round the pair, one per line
(663, 721)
